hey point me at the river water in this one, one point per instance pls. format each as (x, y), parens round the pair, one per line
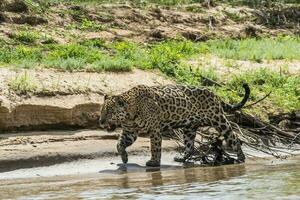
(104, 179)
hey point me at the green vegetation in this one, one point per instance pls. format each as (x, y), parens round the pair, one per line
(22, 84)
(19, 54)
(90, 26)
(26, 37)
(169, 57)
(166, 56)
(257, 49)
(285, 90)
(117, 64)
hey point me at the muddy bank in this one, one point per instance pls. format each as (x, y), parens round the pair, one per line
(34, 149)
(61, 100)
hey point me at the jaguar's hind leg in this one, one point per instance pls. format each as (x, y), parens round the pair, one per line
(228, 137)
(189, 138)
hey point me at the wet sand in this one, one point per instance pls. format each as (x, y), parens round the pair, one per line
(35, 149)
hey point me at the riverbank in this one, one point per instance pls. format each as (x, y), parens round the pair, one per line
(61, 100)
(48, 148)
(106, 179)
(35, 149)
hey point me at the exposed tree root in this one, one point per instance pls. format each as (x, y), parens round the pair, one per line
(255, 134)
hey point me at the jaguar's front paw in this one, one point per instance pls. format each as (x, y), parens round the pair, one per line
(179, 158)
(153, 163)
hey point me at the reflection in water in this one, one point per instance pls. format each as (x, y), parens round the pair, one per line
(224, 182)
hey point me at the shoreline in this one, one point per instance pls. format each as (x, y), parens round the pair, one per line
(47, 149)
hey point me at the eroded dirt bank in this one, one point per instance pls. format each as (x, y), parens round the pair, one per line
(60, 100)
(197, 22)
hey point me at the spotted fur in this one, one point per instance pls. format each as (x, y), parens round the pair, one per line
(153, 110)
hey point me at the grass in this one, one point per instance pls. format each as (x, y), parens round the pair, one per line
(26, 37)
(67, 64)
(19, 53)
(88, 25)
(22, 84)
(97, 55)
(163, 55)
(284, 47)
(166, 56)
(285, 91)
(117, 64)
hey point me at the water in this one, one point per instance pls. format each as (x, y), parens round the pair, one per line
(262, 179)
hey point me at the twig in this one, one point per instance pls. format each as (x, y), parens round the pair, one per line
(293, 140)
(210, 81)
(252, 104)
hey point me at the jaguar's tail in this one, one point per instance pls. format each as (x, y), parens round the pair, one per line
(228, 107)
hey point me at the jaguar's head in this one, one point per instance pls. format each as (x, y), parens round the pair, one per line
(113, 112)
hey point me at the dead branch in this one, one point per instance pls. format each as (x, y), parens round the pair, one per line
(209, 82)
(252, 104)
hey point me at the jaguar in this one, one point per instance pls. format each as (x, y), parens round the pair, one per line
(153, 110)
